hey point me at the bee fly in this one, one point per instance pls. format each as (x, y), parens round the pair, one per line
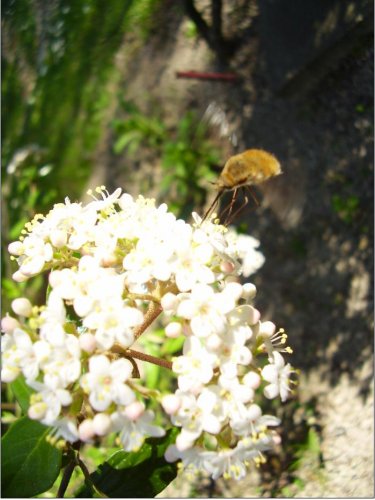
(249, 168)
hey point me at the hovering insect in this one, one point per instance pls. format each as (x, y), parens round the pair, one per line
(249, 168)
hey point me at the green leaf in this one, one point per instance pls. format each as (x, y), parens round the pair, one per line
(142, 474)
(172, 346)
(30, 465)
(125, 140)
(22, 392)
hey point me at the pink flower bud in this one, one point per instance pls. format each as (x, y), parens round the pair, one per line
(8, 324)
(169, 302)
(134, 410)
(108, 260)
(22, 307)
(86, 430)
(173, 330)
(276, 438)
(87, 342)
(171, 403)
(101, 424)
(227, 267)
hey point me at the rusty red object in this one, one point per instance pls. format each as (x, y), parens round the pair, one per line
(200, 75)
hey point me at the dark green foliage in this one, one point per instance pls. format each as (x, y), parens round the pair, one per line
(142, 474)
(186, 154)
(22, 392)
(29, 465)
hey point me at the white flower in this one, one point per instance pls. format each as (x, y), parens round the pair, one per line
(66, 428)
(107, 200)
(277, 374)
(196, 415)
(21, 354)
(53, 320)
(36, 252)
(150, 259)
(195, 368)
(109, 259)
(46, 404)
(206, 310)
(193, 459)
(63, 366)
(251, 421)
(244, 248)
(112, 323)
(134, 432)
(229, 463)
(233, 351)
(9, 324)
(105, 382)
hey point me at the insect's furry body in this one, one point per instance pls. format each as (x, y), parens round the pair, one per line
(253, 166)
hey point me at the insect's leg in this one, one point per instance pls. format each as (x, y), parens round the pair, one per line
(229, 208)
(253, 195)
(246, 201)
(213, 205)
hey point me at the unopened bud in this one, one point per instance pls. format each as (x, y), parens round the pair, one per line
(8, 324)
(267, 329)
(15, 248)
(183, 442)
(254, 412)
(87, 342)
(254, 315)
(169, 302)
(171, 454)
(86, 430)
(58, 238)
(173, 330)
(19, 277)
(234, 290)
(37, 410)
(101, 424)
(22, 307)
(252, 380)
(227, 267)
(134, 410)
(248, 291)
(276, 438)
(213, 342)
(171, 403)
(108, 260)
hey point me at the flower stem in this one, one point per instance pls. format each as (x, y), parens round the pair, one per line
(68, 471)
(130, 353)
(150, 359)
(152, 313)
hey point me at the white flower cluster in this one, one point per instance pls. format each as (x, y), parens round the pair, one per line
(114, 265)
